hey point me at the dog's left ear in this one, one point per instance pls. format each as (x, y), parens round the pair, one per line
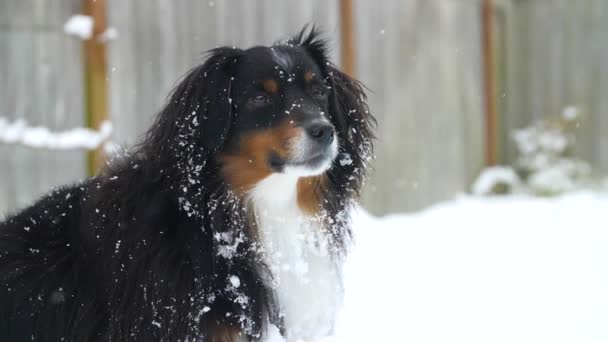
(349, 111)
(206, 98)
(348, 102)
(197, 116)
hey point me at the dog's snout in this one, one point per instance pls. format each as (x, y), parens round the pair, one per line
(321, 132)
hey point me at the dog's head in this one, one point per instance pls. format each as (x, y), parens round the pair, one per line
(281, 116)
(264, 110)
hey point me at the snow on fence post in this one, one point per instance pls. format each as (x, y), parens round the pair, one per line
(96, 76)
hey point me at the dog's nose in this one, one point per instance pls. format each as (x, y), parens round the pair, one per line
(321, 132)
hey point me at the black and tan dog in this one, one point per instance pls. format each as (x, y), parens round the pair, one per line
(230, 216)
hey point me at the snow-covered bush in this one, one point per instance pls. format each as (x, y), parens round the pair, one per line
(496, 180)
(546, 158)
(546, 163)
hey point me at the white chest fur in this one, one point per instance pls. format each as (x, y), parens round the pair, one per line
(306, 279)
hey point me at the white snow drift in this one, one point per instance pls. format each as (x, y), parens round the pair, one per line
(481, 269)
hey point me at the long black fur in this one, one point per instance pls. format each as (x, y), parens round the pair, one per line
(138, 253)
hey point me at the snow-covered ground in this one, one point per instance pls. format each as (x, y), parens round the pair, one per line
(481, 269)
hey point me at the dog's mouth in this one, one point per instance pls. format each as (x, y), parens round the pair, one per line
(278, 164)
(312, 161)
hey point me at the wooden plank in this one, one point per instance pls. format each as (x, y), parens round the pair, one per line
(489, 78)
(96, 75)
(347, 43)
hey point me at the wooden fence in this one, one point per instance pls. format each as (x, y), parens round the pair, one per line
(421, 59)
(40, 81)
(422, 62)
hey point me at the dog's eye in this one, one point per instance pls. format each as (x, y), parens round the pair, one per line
(318, 92)
(260, 99)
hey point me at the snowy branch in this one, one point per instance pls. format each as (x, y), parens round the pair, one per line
(20, 133)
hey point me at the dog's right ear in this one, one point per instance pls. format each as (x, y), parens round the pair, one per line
(197, 117)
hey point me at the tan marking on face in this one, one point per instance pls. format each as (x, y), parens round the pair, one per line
(271, 86)
(226, 333)
(308, 76)
(310, 193)
(249, 164)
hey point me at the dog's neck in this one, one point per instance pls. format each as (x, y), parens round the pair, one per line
(304, 276)
(276, 192)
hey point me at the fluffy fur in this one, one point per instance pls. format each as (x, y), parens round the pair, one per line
(164, 244)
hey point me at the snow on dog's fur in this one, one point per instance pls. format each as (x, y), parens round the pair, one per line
(232, 214)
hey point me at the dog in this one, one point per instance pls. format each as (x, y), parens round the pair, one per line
(228, 221)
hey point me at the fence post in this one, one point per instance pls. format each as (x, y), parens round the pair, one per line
(96, 77)
(489, 80)
(347, 44)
